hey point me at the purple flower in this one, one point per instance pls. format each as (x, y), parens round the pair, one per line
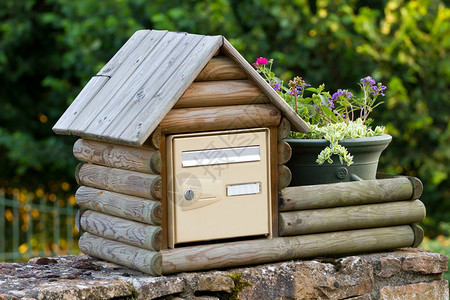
(341, 93)
(276, 86)
(378, 90)
(367, 81)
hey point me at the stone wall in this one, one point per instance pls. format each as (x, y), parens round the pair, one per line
(403, 274)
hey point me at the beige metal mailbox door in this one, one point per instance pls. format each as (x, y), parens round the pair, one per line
(218, 185)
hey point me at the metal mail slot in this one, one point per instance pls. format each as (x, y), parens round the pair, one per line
(220, 156)
(243, 189)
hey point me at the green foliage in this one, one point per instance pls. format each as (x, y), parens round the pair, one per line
(50, 48)
(440, 244)
(239, 285)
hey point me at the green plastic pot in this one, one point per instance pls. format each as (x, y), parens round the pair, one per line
(305, 171)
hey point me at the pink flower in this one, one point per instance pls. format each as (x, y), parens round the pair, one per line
(261, 61)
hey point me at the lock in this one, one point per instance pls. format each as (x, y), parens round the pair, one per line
(189, 194)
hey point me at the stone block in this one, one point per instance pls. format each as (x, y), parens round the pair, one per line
(389, 266)
(436, 290)
(432, 263)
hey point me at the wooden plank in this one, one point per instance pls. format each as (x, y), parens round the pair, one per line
(345, 193)
(284, 152)
(84, 97)
(116, 61)
(164, 198)
(125, 231)
(284, 129)
(296, 122)
(121, 181)
(150, 113)
(273, 177)
(124, 86)
(143, 260)
(118, 156)
(261, 251)
(119, 205)
(221, 68)
(351, 217)
(219, 93)
(284, 176)
(220, 118)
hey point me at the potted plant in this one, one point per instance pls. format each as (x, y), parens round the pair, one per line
(341, 145)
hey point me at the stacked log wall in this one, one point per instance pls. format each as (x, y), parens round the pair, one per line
(119, 195)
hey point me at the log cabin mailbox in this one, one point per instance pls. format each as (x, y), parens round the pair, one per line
(183, 166)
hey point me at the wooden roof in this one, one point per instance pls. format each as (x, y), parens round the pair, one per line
(134, 91)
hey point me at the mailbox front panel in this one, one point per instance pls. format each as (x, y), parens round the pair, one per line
(218, 185)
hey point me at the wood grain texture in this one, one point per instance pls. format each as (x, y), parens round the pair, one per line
(116, 61)
(221, 68)
(284, 176)
(241, 253)
(118, 156)
(154, 140)
(129, 232)
(418, 235)
(179, 72)
(121, 181)
(345, 193)
(86, 95)
(164, 197)
(416, 183)
(220, 93)
(98, 114)
(119, 205)
(296, 122)
(284, 151)
(220, 118)
(143, 260)
(273, 173)
(351, 217)
(284, 128)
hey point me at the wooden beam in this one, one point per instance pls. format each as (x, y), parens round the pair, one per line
(117, 229)
(241, 253)
(164, 226)
(119, 205)
(221, 93)
(284, 152)
(221, 68)
(118, 156)
(416, 183)
(220, 118)
(273, 160)
(296, 122)
(351, 217)
(146, 261)
(121, 181)
(284, 128)
(345, 193)
(284, 176)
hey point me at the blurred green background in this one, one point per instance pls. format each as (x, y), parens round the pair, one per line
(50, 49)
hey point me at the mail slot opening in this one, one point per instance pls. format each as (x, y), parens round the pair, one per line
(218, 186)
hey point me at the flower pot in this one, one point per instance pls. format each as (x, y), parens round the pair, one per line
(305, 170)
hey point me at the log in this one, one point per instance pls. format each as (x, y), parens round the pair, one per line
(284, 152)
(221, 68)
(284, 129)
(118, 156)
(350, 217)
(220, 118)
(121, 181)
(129, 232)
(418, 235)
(417, 184)
(77, 220)
(119, 205)
(220, 93)
(146, 261)
(154, 140)
(284, 176)
(345, 193)
(261, 251)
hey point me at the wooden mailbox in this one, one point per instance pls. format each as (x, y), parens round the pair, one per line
(182, 148)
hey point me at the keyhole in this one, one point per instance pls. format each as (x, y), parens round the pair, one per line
(189, 194)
